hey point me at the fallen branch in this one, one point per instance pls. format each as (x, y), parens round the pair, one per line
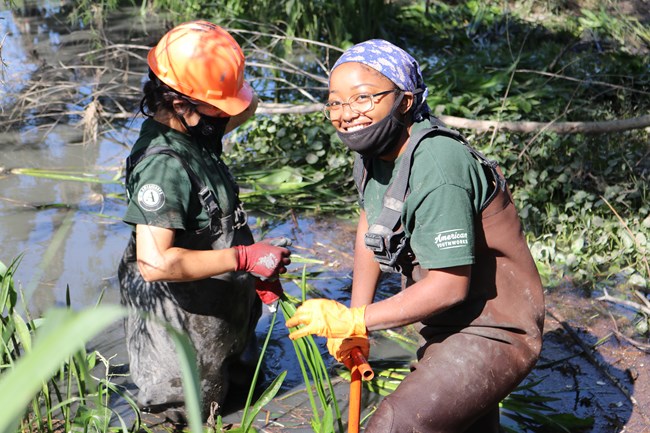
(630, 304)
(271, 108)
(640, 346)
(606, 126)
(557, 127)
(642, 297)
(587, 351)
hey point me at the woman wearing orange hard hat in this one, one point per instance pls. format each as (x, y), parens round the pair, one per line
(192, 262)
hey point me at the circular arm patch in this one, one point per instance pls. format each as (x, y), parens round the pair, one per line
(151, 197)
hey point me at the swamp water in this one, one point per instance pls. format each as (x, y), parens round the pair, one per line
(70, 234)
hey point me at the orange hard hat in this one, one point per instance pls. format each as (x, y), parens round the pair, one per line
(203, 61)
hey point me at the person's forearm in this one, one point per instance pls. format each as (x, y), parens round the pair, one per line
(439, 291)
(180, 264)
(366, 272)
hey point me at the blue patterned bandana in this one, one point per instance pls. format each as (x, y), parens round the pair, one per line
(395, 64)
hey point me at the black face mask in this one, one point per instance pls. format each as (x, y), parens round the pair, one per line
(208, 132)
(379, 138)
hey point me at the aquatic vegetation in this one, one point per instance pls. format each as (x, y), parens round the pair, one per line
(46, 368)
(326, 414)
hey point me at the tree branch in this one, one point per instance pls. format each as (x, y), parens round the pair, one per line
(629, 304)
(485, 125)
(557, 127)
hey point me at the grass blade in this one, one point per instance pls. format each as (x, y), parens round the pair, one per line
(63, 333)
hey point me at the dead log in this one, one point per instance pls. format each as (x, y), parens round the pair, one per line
(603, 127)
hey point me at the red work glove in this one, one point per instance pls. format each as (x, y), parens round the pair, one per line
(340, 348)
(328, 318)
(262, 259)
(269, 291)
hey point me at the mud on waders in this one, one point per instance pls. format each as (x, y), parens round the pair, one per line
(203, 62)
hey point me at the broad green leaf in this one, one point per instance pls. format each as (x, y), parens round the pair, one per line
(22, 331)
(268, 395)
(63, 333)
(63, 175)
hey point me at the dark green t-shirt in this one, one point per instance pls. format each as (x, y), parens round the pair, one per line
(448, 189)
(159, 188)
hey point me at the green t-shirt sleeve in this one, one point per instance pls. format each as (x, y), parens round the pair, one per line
(159, 189)
(442, 227)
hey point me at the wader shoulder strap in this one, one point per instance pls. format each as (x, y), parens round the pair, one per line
(398, 190)
(360, 174)
(206, 197)
(385, 237)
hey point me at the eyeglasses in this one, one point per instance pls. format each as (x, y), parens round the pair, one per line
(360, 104)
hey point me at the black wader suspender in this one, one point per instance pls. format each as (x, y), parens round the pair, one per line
(386, 238)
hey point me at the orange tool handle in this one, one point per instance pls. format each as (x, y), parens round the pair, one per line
(354, 408)
(361, 363)
(359, 369)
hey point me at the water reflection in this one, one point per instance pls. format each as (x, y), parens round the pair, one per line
(54, 224)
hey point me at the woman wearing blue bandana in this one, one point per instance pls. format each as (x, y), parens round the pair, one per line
(469, 282)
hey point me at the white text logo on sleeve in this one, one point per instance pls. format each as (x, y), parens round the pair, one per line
(456, 238)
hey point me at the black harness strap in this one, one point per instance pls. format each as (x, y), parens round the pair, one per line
(398, 189)
(386, 237)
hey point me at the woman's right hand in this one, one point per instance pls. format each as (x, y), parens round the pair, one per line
(262, 259)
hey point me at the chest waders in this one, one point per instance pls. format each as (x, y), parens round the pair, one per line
(386, 237)
(219, 314)
(474, 354)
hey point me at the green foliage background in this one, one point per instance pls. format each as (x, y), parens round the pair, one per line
(583, 198)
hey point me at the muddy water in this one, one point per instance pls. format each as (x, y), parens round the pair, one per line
(69, 234)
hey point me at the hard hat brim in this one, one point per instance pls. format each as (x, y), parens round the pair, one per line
(234, 105)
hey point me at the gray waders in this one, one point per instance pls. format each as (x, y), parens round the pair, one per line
(218, 314)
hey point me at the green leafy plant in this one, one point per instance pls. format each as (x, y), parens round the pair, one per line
(326, 413)
(250, 412)
(31, 364)
(326, 20)
(304, 165)
(46, 368)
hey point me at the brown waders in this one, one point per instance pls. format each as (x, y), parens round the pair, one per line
(476, 353)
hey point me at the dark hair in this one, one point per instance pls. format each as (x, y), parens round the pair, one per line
(158, 96)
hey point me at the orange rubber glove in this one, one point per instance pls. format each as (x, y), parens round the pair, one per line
(269, 291)
(328, 318)
(340, 348)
